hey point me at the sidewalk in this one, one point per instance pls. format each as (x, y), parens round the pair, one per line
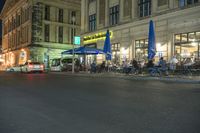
(181, 79)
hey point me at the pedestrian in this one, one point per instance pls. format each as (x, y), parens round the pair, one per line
(93, 67)
(77, 65)
(173, 62)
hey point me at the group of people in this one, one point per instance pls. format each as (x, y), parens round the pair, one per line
(137, 67)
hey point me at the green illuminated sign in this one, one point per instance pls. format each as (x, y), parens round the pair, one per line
(77, 40)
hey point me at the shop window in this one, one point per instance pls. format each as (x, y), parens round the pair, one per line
(188, 47)
(191, 37)
(184, 38)
(116, 53)
(141, 49)
(197, 36)
(177, 38)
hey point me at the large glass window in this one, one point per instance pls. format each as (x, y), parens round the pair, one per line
(141, 49)
(144, 8)
(114, 15)
(116, 53)
(187, 45)
(92, 22)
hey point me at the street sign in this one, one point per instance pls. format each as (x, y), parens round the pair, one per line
(77, 40)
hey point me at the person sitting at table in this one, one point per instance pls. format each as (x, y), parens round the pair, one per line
(162, 66)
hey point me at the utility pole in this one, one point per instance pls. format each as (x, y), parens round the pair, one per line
(73, 21)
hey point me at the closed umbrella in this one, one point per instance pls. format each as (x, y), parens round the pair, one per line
(107, 47)
(151, 45)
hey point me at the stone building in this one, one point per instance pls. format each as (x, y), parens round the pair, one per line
(38, 30)
(176, 22)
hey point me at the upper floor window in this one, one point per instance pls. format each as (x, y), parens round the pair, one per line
(60, 15)
(92, 22)
(144, 8)
(73, 16)
(47, 12)
(187, 2)
(114, 15)
(60, 34)
(46, 33)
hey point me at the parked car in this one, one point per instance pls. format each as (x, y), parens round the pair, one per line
(62, 64)
(32, 67)
(13, 69)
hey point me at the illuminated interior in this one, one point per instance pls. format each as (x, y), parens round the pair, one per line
(187, 45)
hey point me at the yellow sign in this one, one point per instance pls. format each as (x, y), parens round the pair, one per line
(95, 37)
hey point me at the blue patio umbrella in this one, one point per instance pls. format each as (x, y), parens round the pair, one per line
(107, 46)
(84, 51)
(152, 43)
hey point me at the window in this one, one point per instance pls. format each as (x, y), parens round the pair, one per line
(47, 12)
(114, 15)
(92, 22)
(73, 15)
(60, 34)
(144, 8)
(116, 52)
(183, 3)
(60, 15)
(141, 49)
(187, 45)
(46, 33)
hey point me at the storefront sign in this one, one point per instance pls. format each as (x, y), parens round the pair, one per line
(77, 40)
(95, 37)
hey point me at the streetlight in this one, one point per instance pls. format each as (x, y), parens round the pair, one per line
(73, 22)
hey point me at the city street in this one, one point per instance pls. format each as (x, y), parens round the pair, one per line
(56, 103)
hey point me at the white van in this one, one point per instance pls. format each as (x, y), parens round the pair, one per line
(61, 64)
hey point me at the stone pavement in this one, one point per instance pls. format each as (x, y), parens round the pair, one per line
(171, 78)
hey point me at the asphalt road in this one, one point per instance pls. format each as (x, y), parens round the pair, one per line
(52, 103)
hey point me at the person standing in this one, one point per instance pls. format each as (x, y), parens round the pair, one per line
(173, 62)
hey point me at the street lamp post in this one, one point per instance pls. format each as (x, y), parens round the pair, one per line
(73, 21)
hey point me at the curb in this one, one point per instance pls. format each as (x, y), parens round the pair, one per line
(134, 77)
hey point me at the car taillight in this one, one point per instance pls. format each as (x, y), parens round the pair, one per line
(30, 66)
(41, 66)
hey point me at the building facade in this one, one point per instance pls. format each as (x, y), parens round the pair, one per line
(176, 22)
(38, 30)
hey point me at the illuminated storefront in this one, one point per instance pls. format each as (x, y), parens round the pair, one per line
(187, 45)
(141, 49)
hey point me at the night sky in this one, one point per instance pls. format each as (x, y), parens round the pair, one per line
(1, 6)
